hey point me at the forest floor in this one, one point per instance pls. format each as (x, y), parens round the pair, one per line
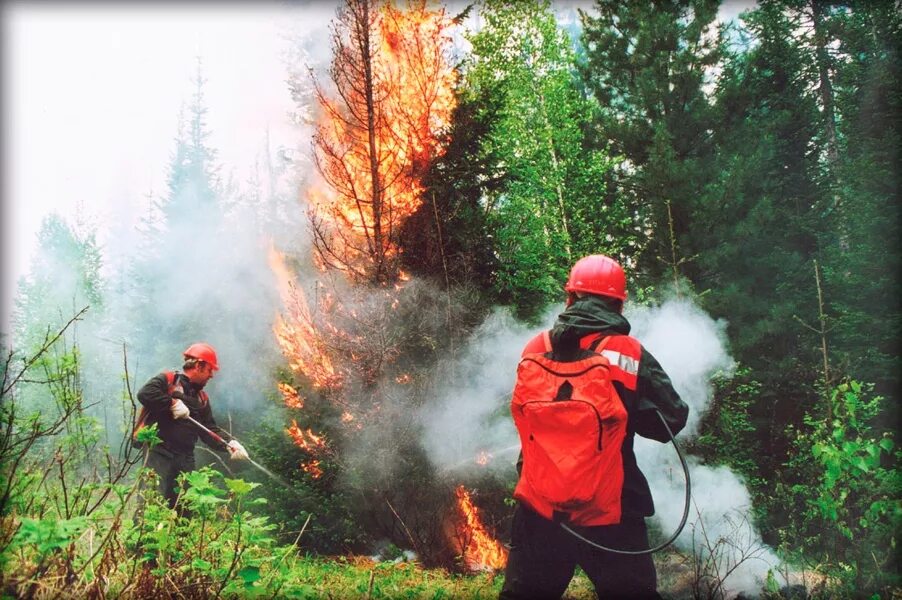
(338, 577)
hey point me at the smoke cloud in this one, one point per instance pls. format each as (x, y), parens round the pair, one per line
(692, 348)
(470, 414)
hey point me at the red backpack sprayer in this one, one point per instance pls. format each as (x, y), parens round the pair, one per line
(572, 425)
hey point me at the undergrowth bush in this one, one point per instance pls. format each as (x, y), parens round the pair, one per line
(851, 511)
(77, 521)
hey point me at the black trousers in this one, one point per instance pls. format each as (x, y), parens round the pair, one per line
(543, 558)
(168, 466)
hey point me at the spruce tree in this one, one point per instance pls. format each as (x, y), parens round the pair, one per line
(64, 277)
(647, 65)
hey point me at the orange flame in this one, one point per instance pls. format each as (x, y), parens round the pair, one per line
(306, 440)
(291, 396)
(296, 332)
(483, 458)
(312, 467)
(358, 217)
(480, 550)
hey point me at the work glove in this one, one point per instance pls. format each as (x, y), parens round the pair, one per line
(237, 450)
(178, 409)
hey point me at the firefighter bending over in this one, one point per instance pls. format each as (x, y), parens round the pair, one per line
(577, 415)
(167, 399)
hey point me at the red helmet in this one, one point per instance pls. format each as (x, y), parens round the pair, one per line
(597, 274)
(204, 352)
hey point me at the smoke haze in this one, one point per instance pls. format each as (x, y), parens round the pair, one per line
(692, 348)
(470, 413)
(182, 254)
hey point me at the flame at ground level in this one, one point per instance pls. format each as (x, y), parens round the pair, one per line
(480, 550)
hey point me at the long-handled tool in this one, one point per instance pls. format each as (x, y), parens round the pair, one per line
(218, 438)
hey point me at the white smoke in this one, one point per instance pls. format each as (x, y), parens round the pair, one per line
(692, 348)
(470, 413)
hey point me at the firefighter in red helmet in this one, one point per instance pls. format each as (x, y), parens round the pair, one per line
(168, 398)
(543, 556)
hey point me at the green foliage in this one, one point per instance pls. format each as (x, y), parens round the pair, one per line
(861, 269)
(853, 507)
(549, 207)
(221, 550)
(48, 536)
(448, 238)
(727, 431)
(647, 65)
(757, 221)
(149, 435)
(332, 528)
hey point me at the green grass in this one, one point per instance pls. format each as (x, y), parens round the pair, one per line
(355, 577)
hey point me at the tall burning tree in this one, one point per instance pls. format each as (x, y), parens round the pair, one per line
(379, 132)
(360, 339)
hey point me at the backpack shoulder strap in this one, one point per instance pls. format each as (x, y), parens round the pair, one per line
(171, 380)
(624, 354)
(600, 343)
(595, 342)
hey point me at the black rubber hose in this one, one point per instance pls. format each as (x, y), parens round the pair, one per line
(679, 529)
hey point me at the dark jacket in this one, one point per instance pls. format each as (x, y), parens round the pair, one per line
(180, 435)
(654, 391)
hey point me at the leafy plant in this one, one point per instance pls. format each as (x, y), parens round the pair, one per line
(853, 503)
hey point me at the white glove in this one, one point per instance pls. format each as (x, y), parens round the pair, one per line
(237, 450)
(178, 409)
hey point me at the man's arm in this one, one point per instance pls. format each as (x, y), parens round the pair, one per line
(154, 395)
(655, 393)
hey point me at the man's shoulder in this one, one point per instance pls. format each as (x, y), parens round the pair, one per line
(157, 378)
(624, 341)
(537, 344)
(167, 377)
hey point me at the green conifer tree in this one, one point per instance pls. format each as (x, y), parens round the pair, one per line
(647, 65)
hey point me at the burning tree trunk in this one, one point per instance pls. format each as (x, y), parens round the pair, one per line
(358, 342)
(392, 97)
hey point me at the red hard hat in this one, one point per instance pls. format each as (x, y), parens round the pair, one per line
(597, 274)
(204, 352)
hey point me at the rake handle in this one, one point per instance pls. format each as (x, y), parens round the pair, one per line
(207, 430)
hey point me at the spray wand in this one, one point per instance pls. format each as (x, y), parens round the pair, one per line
(219, 439)
(679, 528)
